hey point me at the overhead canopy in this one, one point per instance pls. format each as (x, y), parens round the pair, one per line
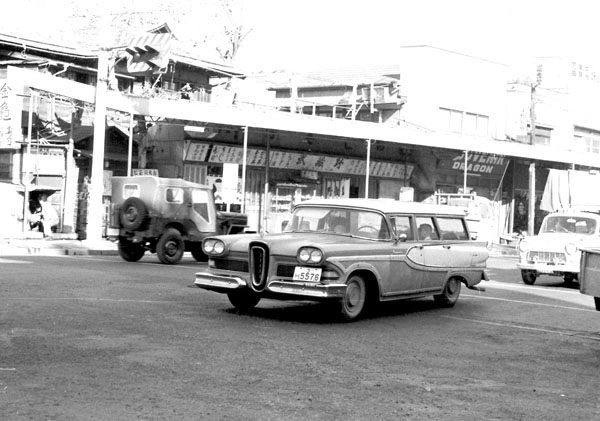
(571, 189)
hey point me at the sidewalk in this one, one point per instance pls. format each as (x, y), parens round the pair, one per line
(56, 245)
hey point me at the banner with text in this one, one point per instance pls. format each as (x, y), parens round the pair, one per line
(476, 163)
(294, 160)
(10, 117)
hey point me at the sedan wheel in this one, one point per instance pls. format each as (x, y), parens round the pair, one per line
(528, 276)
(243, 300)
(353, 302)
(450, 294)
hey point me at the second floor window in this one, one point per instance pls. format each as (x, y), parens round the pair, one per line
(463, 122)
(587, 140)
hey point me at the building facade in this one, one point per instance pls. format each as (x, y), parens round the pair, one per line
(437, 122)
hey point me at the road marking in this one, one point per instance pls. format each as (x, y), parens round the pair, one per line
(2, 260)
(528, 302)
(536, 329)
(537, 288)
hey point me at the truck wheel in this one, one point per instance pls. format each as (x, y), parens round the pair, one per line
(129, 251)
(243, 300)
(198, 254)
(450, 294)
(170, 247)
(133, 214)
(528, 276)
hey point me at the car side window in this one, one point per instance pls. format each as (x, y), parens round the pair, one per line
(200, 202)
(174, 195)
(452, 228)
(426, 229)
(402, 224)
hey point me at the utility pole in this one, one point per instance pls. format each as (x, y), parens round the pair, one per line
(95, 205)
(531, 211)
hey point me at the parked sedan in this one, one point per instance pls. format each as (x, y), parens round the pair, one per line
(352, 253)
(556, 250)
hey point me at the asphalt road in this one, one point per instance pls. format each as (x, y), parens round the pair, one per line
(84, 337)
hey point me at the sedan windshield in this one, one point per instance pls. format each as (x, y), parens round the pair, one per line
(354, 222)
(569, 224)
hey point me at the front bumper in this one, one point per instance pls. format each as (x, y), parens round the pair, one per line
(547, 269)
(225, 283)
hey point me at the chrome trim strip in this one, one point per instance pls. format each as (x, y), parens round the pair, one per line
(307, 289)
(209, 280)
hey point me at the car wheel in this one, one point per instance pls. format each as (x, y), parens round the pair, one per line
(170, 247)
(569, 278)
(198, 254)
(528, 276)
(133, 214)
(355, 297)
(129, 251)
(597, 302)
(243, 300)
(450, 294)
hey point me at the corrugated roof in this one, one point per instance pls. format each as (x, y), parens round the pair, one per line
(339, 76)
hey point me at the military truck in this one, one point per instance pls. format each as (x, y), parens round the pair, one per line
(167, 216)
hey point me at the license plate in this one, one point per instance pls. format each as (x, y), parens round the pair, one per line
(305, 274)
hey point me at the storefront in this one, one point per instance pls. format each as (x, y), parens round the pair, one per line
(292, 177)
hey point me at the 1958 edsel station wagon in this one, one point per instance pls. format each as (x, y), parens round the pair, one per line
(350, 252)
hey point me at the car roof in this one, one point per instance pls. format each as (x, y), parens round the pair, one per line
(387, 206)
(576, 212)
(160, 181)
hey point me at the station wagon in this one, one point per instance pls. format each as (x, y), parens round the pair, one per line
(352, 253)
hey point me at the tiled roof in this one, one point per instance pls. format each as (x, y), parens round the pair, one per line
(83, 46)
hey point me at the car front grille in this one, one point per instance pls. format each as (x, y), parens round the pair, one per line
(546, 257)
(233, 265)
(259, 265)
(286, 271)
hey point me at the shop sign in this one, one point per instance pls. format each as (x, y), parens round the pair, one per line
(221, 154)
(145, 171)
(477, 163)
(48, 161)
(309, 175)
(10, 113)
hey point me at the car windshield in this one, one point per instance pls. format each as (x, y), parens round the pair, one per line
(569, 224)
(350, 222)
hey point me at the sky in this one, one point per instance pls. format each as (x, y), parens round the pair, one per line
(304, 34)
(310, 32)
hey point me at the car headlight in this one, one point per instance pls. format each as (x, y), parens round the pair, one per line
(213, 247)
(570, 248)
(523, 246)
(310, 255)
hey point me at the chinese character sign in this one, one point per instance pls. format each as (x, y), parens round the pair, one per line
(10, 133)
(296, 161)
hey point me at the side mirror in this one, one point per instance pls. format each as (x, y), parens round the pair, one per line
(401, 238)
